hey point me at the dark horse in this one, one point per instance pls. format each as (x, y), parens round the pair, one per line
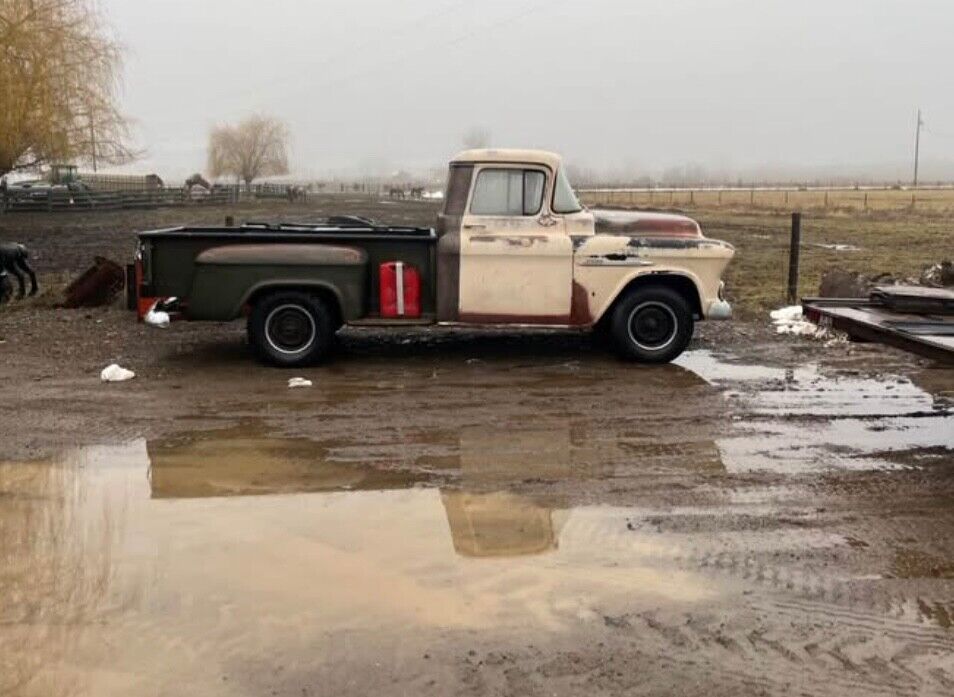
(13, 261)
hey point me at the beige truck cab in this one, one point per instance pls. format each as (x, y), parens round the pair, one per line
(517, 247)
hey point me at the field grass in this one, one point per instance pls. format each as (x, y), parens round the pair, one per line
(901, 245)
(891, 235)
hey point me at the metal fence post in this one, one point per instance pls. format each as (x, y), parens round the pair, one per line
(793, 254)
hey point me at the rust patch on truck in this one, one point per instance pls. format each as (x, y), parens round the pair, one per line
(580, 306)
(286, 254)
(667, 242)
(633, 222)
(486, 318)
(522, 241)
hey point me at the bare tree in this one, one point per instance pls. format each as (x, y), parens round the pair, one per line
(256, 147)
(59, 77)
(476, 137)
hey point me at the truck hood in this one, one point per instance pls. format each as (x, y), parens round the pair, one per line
(613, 222)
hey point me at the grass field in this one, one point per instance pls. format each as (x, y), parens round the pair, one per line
(891, 236)
(901, 245)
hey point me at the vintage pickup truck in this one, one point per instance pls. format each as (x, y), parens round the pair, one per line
(513, 246)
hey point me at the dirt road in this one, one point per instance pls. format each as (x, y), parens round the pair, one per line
(488, 514)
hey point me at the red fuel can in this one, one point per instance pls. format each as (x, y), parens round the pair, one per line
(400, 290)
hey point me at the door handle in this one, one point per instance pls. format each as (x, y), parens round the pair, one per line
(475, 227)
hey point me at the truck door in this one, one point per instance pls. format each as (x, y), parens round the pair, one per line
(516, 260)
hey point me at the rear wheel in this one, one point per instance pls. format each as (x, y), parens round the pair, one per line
(291, 328)
(652, 324)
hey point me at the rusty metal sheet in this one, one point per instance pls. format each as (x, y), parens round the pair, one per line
(283, 254)
(647, 224)
(928, 335)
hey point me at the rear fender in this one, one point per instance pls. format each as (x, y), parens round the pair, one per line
(227, 279)
(264, 288)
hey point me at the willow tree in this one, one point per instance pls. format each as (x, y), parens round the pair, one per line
(256, 147)
(59, 80)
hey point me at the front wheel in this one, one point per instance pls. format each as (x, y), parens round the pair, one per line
(652, 325)
(290, 329)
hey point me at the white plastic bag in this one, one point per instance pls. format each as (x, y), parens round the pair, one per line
(157, 318)
(299, 382)
(115, 373)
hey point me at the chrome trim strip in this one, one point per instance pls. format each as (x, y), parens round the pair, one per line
(603, 261)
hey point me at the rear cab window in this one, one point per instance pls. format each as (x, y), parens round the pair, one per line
(508, 192)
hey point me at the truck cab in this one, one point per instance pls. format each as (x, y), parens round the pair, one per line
(513, 245)
(526, 251)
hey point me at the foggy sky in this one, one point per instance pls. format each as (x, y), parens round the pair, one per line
(635, 85)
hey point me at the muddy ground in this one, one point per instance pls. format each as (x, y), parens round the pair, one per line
(486, 513)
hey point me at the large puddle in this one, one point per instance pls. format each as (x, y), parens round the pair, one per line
(144, 567)
(123, 561)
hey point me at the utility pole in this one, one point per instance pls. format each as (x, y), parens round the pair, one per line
(92, 133)
(917, 147)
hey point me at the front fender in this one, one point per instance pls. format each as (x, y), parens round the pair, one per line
(625, 282)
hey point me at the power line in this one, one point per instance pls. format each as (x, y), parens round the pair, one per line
(404, 29)
(917, 147)
(400, 31)
(938, 134)
(451, 42)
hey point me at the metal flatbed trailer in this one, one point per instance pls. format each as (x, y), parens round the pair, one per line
(914, 319)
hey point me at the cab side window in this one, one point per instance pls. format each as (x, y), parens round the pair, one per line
(508, 192)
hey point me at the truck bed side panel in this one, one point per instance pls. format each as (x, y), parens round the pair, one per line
(173, 254)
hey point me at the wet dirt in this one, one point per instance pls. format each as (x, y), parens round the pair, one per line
(469, 513)
(502, 515)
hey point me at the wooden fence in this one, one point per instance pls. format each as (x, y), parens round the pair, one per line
(62, 200)
(935, 198)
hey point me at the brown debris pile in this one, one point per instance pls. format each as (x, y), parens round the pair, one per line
(841, 283)
(940, 275)
(97, 286)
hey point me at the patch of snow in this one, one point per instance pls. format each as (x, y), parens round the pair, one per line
(839, 247)
(790, 320)
(792, 312)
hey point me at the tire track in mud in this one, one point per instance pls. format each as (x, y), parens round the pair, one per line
(839, 633)
(843, 649)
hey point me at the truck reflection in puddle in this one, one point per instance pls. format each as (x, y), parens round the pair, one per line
(237, 462)
(209, 552)
(484, 518)
(244, 461)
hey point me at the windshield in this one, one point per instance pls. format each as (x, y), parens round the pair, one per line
(564, 200)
